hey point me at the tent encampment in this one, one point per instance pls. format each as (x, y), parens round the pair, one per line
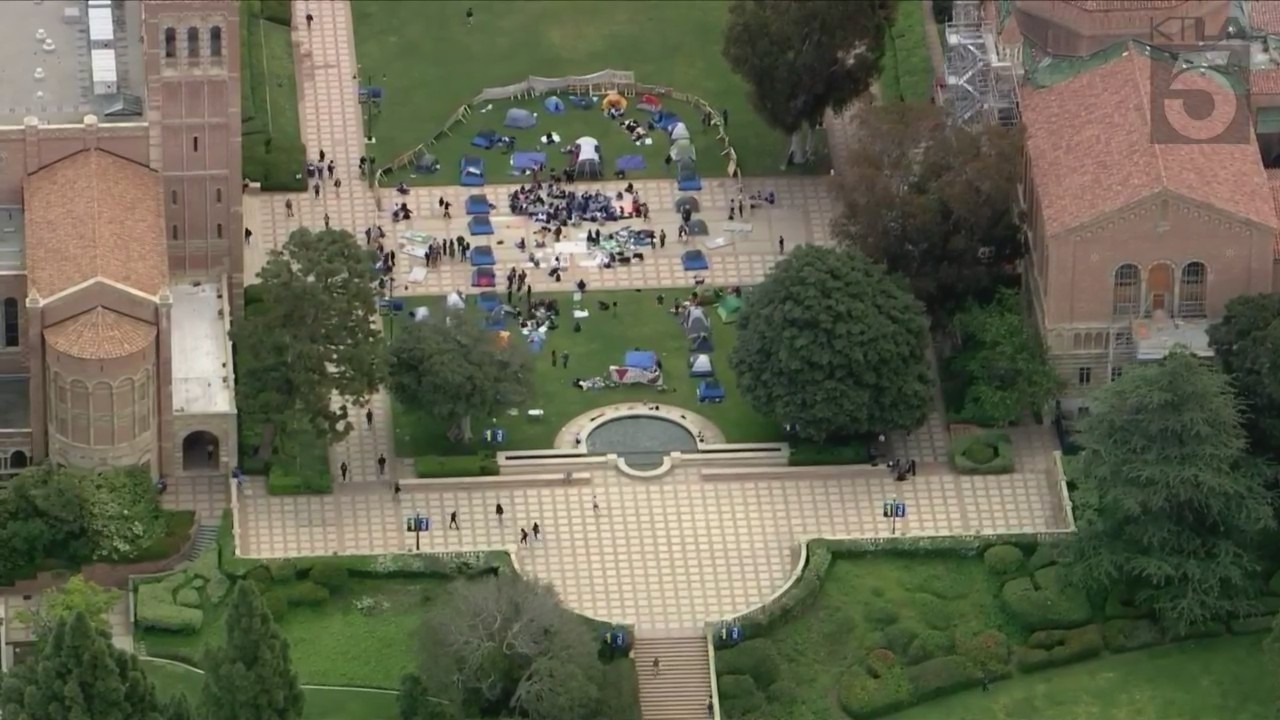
(700, 365)
(553, 104)
(682, 150)
(588, 158)
(520, 119)
(643, 359)
(680, 131)
(728, 309)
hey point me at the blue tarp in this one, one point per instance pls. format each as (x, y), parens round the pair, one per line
(471, 169)
(480, 225)
(710, 391)
(485, 139)
(477, 205)
(528, 160)
(629, 162)
(664, 120)
(488, 301)
(644, 359)
(694, 260)
(482, 256)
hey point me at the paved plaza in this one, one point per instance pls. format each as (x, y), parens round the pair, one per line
(667, 553)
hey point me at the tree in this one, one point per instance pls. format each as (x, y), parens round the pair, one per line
(250, 677)
(122, 510)
(456, 369)
(42, 516)
(308, 337)
(934, 201)
(77, 595)
(178, 708)
(1170, 506)
(801, 59)
(415, 702)
(1246, 343)
(832, 344)
(79, 675)
(1004, 362)
(505, 646)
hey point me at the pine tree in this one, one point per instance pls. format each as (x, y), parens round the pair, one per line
(78, 675)
(250, 677)
(178, 708)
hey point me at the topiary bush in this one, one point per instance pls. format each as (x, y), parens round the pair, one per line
(188, 597)
(1045, 555)
(304, 594)
(260, 575)
(217, 589)
(880, 615)
(276, 603)
(988, 650)
(739, 696)
(754, 658)
(942, 676)
(1003, 560)
(898, 638)
(982, 453)
(936, 614)
(1192, 632)
(283, 570)
(878, 688)
(156, 610)
(1045, 601)
(1052, 648)
(928, 645)
(330, 576)
(1130, 634)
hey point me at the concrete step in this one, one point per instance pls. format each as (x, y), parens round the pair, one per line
(206, 537)
(681, 687)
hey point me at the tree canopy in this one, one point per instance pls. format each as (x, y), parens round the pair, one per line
(503, 646)
(1004, 362)
(1247, 343)
(306, 336)
(250, 676)
(800, 59)
(455, 369)
(78, 674)
(1169, 505)
(934, 201)
(831, 343)
(77, 595)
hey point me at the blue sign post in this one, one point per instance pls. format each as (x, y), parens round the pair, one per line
(894, 509)
(417, 523)
(731, 634)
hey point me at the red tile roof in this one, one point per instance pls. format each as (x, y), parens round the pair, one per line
(100, 334)
(1265, 81)
(1124, 5)
(1264, 15)
(1090, 143)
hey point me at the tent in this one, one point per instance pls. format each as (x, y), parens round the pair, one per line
(488, 301)
(710, 391)
(614, 101)
(471, 168)
(421, 313)
(635, 376)
(682, 150)
(485, 139)
(482, 256)
(483, 277)
(455, 301)
(696, 226)
(520, 119)
(553, 104)
(643, 359)
(477, 205)
(695, 322)
(687, 201)
(728, 309)
(687, 179)
(480, 225)
(425, 162)
(664, 120)
(528, 160)
(693, 260)
(495, 320)
(588, 162)
(700, 365)
(700, 343)
(680, 131)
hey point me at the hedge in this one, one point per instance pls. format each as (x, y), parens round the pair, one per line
(1003, 559)
(853, 452)
(1191, 632)
(296, 476)
(878, 689)
(1273, 585)
(1053, 648)
(739, 696)
(793, 599)
(188, 597)
(930, 645)
(942, 676)
(1131, 634)
(178, 525)
(1249, 626)
(965, 450)
(1045, 601)
(445, 466)
(156, 610)
(753, 658)
(304, 594)
(988, 650)
(1120, 606)
(331, 576)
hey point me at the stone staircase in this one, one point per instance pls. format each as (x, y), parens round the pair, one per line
(206, 537)
(682, 686)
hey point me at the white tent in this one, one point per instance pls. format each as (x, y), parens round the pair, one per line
(683, 150)
(679, 131)
(588, 158)
(421, 313)
(700, 366)
(455, 301)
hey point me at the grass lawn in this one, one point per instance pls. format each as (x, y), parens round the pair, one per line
(320, 705)
(1215, 679)
(906, 72)
(640, 322)
(570, 125)
(273, 150)
(433, 64)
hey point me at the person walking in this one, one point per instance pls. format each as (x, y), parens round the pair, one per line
(382, 464)
(724, 118)
(471, 16)
(595, 505)
(316, 189)
(497, 510)
(326, 221)
(322, 155)
(331, 167)
(524, 536)
(248, 235)
(657, 667)
(368, 418)
(453, 520)
(344, 468)
(310, 19)
(662, 239)
(782, 245)
(537, 530)
(337, 184)
(553, 357)
(288, 207)
(564, 359)
(395, 492)
(448, 207)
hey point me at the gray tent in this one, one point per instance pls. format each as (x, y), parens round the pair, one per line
(700, 366)
(520, 119)
(425, 162)
(695, 322)
(688, 201)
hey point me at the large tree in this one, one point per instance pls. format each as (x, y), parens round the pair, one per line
(505, 646)
(831, 343)
(308, 336)
(934, 201)
(1169, 503)
(455, 369)
(78, 675)
(800, 59)
(250, 676)
(1003, 360)
(77, 595)
(1247, 344)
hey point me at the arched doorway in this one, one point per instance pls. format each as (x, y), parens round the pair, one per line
(200, 451)
(1159, 288)
(18, 460)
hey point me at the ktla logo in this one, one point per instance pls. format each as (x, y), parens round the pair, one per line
(1199, 88)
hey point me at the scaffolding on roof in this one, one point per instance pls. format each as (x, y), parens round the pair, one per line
(980, 85)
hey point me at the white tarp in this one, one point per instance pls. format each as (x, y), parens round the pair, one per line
(588, 149)
(455, 301)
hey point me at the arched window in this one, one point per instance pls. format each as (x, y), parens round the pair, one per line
(1193, 284)
(170, 43)
(215, 41)
(80, 411)
(1126, 290)
(103, 419)
(193, 42)
(11, 332)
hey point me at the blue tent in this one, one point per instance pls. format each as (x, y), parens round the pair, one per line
(710, 391)
(553, 104)
(645, 359)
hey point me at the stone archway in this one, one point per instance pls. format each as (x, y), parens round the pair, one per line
(201, 451)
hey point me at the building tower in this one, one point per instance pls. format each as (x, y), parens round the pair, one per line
(192, 59)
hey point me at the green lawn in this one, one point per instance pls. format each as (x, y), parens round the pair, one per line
(907, 72)
(605, 337)
(273, 151)
(1217, 679)
(321, 704)
(433, 64)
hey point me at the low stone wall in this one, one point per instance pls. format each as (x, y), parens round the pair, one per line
(498, 481)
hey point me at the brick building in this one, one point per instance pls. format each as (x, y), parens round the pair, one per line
(120, 233)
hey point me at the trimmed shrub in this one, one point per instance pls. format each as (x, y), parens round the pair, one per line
(157, 611)
(807, 454)
(260, 575)
(1003, 559)
(277, 604)
(1053, 648)
(1249, 626)
(447, 466)
(206, 564)
(1130, 634)
(1273, 585)
(331, 576)
(283, 570)
(1192, 632)
(304, 593)
(988, 650)
(929, 645)
(1269, 603)
(753, 658)
(1120, 606)
(174, 582)
(1045, 555)
(937, 614)
(938, 582)
(877, 689)
(739, 695)
(880, 615)
(899, 638)
(197, 582)
(217, 589)
(189, 597)
(982, 453)
(942, 676)
(1047, 602)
